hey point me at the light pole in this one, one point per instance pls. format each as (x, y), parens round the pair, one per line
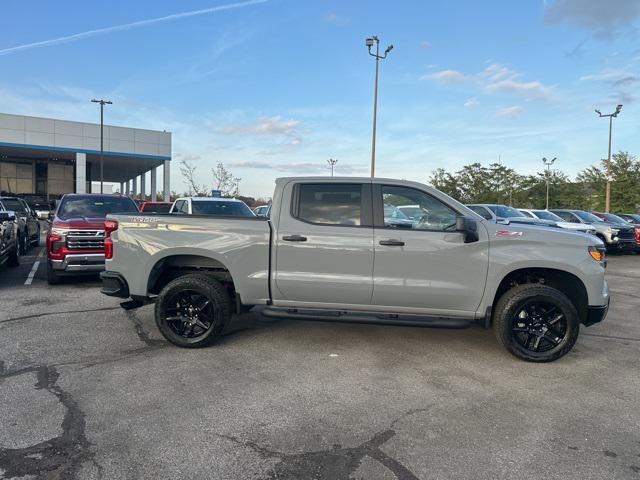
(369, 43)
(102, 104)
(548, 163)
(607, 198)
(332, 162)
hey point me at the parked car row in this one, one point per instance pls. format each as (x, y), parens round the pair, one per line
(617, 233)
(26, 222)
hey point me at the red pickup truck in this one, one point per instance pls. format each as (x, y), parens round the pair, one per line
(75, 241)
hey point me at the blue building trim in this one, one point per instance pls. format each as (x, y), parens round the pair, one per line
(81, 150)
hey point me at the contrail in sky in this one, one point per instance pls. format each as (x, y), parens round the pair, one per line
(127, 26)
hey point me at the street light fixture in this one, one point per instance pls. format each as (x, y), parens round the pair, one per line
(332, 162)
(369, 42)
(102, 104)
(548, 163)
(607, 200)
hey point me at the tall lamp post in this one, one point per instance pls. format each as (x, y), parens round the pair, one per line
(369, 43)
(332, 162)
(607, 198)
(102, 104)
(548, 163)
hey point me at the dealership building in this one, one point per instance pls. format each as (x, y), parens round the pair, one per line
(48, 157)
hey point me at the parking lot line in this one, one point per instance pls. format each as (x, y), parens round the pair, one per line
(32, 273)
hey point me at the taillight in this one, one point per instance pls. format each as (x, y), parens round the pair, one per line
(110, 226)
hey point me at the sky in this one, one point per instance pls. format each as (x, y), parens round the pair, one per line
(274, 88)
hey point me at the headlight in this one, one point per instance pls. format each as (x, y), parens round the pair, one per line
(598, 254)
(59, 231)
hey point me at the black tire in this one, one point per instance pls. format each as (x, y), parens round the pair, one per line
(527, 316)
(23, 243)
(53, 278)
(211, 309)
(13, 260)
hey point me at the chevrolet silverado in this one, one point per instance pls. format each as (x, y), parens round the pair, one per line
(330, 251)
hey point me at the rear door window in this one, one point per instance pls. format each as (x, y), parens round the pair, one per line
(329, 203)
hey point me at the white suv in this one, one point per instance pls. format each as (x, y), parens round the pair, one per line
(224, 207)
(547, 215)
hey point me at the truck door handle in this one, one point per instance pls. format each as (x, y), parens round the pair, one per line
(392, 243)
(294, 238)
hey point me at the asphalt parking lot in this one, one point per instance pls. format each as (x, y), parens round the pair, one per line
(88, 390)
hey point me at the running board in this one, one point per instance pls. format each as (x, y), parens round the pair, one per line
(366, 317)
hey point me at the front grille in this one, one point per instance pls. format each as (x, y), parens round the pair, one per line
(626, 234)
(85, 240)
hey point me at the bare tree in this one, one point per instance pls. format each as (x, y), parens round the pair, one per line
(224, 181)
(188, 171)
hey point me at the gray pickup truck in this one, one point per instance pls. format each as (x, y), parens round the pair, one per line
(330, 251)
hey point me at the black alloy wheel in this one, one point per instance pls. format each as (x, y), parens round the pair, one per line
(192, 310)
(536, 322)
(539, 326)
(190, 314)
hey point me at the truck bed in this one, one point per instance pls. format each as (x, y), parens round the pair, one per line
(238, 244)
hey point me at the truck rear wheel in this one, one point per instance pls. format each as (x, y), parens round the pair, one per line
(192, 311)
(536, 323)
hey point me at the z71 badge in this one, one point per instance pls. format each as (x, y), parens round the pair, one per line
(509, 233)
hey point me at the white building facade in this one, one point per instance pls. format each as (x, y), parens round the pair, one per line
(48, 157)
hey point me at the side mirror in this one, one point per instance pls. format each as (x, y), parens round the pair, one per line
(469, 228)
(50, 216)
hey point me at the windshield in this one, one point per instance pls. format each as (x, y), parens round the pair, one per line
(544, 215)
(587, 217)
(12, 204)
(220, 207)
(508, 212)
(157, 208)
(95, 206)
(610, 217)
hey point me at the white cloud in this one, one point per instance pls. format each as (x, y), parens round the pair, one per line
(424, 44)
(472, 102)
(496, 72)
(445, 76)
(495, 78)
(529, 89)
(127, 26)
(512, 111)
(266, 126)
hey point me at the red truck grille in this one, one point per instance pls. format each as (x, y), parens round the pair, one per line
(85, 240)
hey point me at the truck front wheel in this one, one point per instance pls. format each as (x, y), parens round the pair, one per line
(192, 311)
(536, 323)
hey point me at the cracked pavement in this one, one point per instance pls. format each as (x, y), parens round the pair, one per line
(88, 390)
